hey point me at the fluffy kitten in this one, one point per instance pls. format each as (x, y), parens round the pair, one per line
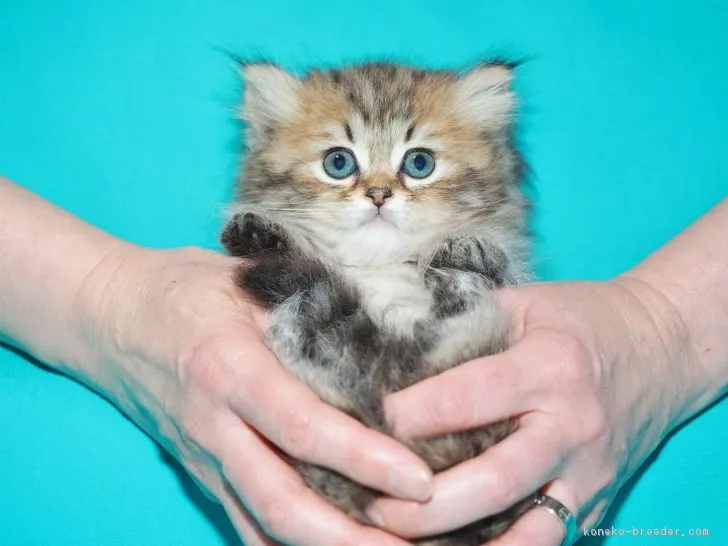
(379, 206)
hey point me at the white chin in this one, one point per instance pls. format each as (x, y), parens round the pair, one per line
(377, 242)
(377, 224)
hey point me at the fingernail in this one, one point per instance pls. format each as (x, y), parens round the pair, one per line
(410, 483)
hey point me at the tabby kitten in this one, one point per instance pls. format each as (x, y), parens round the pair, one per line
(379, 207)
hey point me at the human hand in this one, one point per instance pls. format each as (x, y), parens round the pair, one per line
(597, 375)
(178, 348)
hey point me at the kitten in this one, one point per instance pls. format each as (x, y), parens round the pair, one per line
(379, 207)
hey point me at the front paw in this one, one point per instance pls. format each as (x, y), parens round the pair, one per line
(468, 254)
(250, 235)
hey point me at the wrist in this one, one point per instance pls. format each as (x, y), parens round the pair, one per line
(126, 313)
(691, 272)
(107, 293)
(45, 256)
(39, 305)
(693, 383)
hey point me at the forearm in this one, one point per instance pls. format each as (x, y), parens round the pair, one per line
(45, 256)
(691, 272)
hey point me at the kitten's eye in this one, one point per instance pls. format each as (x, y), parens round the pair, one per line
(418, 163)
(339, 163)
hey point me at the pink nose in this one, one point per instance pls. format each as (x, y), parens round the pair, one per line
(379, 195)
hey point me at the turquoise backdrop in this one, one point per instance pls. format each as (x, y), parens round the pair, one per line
(122, 112)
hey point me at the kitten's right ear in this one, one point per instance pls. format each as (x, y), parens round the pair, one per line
(270, 98)
(484, 94)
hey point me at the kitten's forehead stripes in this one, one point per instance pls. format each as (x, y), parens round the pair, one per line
(378, 92)
(408, 135)
(380, 111)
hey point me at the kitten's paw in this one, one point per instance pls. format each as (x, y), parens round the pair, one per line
(469, 254)
(251, 235)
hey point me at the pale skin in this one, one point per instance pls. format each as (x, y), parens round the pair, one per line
(167, 338)
(599, 374)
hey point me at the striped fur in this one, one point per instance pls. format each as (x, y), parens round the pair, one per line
(367, 300)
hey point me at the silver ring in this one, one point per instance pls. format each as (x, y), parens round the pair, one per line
(560, 512)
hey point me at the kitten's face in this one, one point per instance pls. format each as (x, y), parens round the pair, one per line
(371, 163)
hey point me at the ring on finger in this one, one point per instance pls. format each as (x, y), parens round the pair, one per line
(560, 512)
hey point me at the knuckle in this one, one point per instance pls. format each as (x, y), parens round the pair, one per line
(572, 354)
(505, 481)
(601, 429)
(596, 426)
(297, 434)
(275, 515)
(358, 461)
(569, 360)
(452, 406)
(204, 369)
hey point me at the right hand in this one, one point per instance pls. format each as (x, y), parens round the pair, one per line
(597, 375)
(174, 343)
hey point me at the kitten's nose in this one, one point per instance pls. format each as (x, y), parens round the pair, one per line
(379, 195)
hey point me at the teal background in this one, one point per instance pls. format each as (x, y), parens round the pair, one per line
(122, 112)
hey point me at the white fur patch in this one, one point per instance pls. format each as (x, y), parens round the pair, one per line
(271, 96)
(484, 96)
(395, 296)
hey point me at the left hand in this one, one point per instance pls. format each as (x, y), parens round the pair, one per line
(597, 375)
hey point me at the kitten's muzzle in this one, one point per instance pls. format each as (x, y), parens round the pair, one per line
(379, 195)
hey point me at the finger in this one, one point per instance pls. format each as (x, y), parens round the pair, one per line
(473, 394)
(284, 507)
(243, 522)
(297, 421)
(537, 527)
(596, 512)
(480, 487)
(202, 486)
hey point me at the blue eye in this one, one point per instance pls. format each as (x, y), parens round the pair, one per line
(418, 163)
(339, 163)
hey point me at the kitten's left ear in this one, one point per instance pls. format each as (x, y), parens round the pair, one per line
(484, 95)
(271, 97)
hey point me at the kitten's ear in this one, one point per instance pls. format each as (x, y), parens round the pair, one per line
(271, 97)
(484, 95)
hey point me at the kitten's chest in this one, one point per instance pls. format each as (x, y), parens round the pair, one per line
(395, 296)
